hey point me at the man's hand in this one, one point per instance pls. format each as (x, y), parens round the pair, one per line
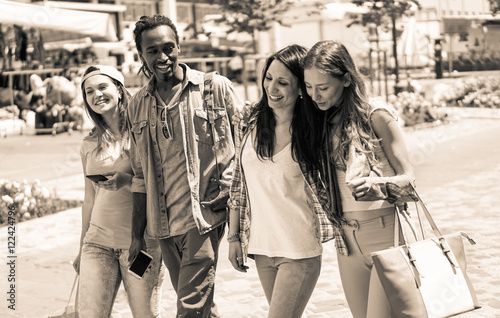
(220, 201)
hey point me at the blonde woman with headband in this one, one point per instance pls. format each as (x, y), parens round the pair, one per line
(107, 208)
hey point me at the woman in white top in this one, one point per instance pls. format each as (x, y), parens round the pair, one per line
(275, 216)
(364, 161)
(107, 208)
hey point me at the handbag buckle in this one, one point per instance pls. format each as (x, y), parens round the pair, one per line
(448, 252)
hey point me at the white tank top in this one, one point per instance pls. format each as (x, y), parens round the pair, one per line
(282, 223)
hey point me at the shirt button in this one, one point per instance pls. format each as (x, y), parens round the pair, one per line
(153, 124)
(159, 176)
(213, 180)
(162, 211)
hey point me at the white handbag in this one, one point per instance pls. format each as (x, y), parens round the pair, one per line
(427, 278)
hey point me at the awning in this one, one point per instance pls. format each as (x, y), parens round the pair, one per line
(69, 45)
(462, 23)
(97, 25)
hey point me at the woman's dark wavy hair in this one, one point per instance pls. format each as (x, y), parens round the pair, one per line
(146, 23)
(291, 56)
(105, 137)
(332, 58)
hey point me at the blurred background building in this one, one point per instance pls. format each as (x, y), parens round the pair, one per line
(79, 32)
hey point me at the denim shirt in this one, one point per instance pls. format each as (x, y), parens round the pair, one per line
(238, 198)
(197, 140)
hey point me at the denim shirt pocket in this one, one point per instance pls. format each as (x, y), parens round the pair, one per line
(138, 131)
(204, 131)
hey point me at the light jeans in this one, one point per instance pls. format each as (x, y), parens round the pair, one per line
(369, 231)
(102, 269)
(287, 283)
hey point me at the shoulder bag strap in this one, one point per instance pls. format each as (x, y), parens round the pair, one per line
(208, 98)
(72, 290)
(427, 214)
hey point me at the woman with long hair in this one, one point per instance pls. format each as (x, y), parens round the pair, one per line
(276, 217)
(102, 261)
(363, 159)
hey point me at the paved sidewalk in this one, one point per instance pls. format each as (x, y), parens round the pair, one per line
(458, 173)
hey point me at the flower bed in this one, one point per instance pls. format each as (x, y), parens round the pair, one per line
(472, 92)
(414, 109)
(29, 200)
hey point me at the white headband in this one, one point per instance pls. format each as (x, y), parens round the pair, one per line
(107, 70)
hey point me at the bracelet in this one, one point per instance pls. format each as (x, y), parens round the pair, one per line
(233, 237)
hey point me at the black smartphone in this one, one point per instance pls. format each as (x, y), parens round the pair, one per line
(97, 177)
(140, 264)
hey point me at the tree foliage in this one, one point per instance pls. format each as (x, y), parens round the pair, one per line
(385, 13)
(250, 15)
(256, 15)
(494, 6)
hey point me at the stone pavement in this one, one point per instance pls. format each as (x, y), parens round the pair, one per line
(457, 167)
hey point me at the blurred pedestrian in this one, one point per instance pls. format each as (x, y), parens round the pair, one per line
(364, 157)
(181, 151)
(236, 67)
(21, 44)
(37, 104)
(107, 208)
(10, 41)
(3, 46)
(276, 216)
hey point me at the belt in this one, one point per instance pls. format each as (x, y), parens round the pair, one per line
(374, 223)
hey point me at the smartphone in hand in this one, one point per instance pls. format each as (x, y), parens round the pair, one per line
(97, 177)
(140, 264)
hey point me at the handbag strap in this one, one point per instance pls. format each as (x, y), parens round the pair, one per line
(443, 244)
(72, 289)
(427, 214)
(401, 214)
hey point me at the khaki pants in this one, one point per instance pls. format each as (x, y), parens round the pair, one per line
(369, 231)
(191, 260)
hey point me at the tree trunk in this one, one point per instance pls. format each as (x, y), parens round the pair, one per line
(254, 42)
(395, 48)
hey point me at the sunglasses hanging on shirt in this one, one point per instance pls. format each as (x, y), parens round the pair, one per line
(166, 119)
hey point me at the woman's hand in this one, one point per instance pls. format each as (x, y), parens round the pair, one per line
(241, 113)
(136, 246)
(359, 186)
(76, 262)
(236, 257)
(116, 180)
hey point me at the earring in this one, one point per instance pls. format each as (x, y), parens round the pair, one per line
(347, 79)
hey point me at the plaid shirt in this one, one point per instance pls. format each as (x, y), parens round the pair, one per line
(314, 187)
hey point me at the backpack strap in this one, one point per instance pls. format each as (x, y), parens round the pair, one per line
(208, 97)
